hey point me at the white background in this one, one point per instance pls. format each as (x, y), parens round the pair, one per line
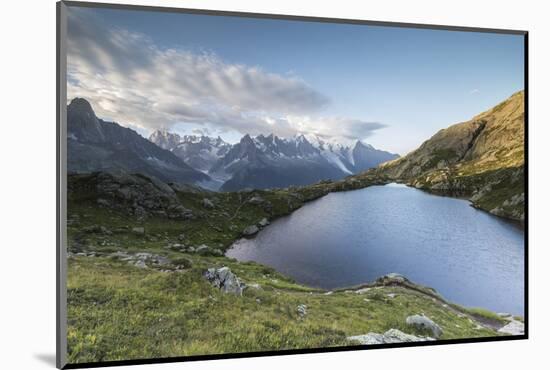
(27, 145)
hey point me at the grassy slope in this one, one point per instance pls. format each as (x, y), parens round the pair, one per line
(482, 158)
(119, 311)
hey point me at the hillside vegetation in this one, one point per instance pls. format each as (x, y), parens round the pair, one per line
(138, 253)
(482, 159)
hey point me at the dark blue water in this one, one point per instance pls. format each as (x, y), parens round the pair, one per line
(343, 239)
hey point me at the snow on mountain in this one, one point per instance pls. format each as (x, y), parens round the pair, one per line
(200, 152)
(271, 161)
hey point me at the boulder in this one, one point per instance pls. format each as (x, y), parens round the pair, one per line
(263, 222)
(202, 249)
(225, 280)
(138, 230)
(514, 327)
(103, 202)
(424, 323)
(302, 310)
(392, 278)
(256, 200)
(140, 264)
(391, 336)
(250, 230)
(207, 203)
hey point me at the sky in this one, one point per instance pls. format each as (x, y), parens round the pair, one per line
(197, 74)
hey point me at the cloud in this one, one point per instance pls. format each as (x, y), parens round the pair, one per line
(474, 91)
(131, 80)
(335, 126)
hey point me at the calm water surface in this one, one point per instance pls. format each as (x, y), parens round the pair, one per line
(348, 238)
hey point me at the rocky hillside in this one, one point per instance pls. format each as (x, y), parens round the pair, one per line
(482, 159)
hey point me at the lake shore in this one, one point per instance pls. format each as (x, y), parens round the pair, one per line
(148, 269)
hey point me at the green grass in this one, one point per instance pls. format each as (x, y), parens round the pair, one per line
(486, 314)
(447, 155)
(117, 311)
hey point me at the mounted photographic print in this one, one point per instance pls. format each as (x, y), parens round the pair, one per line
(235, 184)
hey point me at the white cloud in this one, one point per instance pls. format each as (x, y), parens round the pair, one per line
(474, 91)
(129, 79)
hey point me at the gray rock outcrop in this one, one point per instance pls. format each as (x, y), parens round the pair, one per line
(424, 323)
(207, 203)
(224, 280)
(302, 310)
(514, 327)
(390, 336)
(250, 230)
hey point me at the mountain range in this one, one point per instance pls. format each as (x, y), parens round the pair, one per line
(254, 162)
(271, 161)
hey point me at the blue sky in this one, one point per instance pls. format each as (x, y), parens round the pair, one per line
(391, 87)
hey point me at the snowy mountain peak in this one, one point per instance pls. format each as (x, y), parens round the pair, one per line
(272, 157)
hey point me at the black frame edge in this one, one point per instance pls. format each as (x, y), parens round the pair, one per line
(150, 361)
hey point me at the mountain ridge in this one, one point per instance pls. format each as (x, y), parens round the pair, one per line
(269, 161)
(98, 145)
(482, 159)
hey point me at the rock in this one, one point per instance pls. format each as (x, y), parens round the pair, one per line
(140, 264)
(424, 323)
(216, 252)
(391, 336)
(207, 203)
(225, 280)
(514, 327)
(302, 310)
(250, 230)
(143, 255)
(137, 195)
(161, 260)
(391, 295)
(138, 230)
(263, 222)
(392, 278)
(181, 237)
(103, 202)
(202, 249)
(362, 290)
(256, 200)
